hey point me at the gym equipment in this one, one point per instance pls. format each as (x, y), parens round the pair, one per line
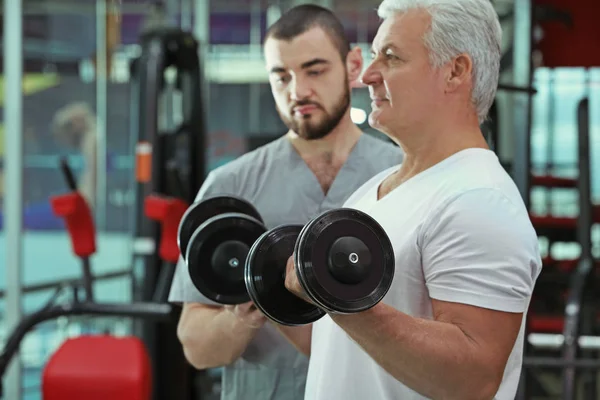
(168, 212)
(165, 147)
(343, 259)
(207, 208)
(217, 254)
(580, 315)
(265, 278)
(80, 367)
(128, 379)
(73, 209)
(73, 372)
(513, 88)
(214, 237)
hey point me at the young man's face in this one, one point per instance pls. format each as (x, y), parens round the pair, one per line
(309, 82)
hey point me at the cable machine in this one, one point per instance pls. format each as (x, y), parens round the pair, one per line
(170, 163)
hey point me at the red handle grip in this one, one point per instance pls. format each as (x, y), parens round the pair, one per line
(73, 208)
(168, 211)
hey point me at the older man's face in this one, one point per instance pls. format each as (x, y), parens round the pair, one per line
(405, 89)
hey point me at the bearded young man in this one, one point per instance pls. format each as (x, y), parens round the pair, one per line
(314, 167)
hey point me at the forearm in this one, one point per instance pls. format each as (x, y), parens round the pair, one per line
(87, 188)
(298, 336)
(433, 358)
(213, 337)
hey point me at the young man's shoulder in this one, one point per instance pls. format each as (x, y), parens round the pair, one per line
(253, 160)
(381, 143)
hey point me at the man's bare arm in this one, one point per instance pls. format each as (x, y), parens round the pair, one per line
(89, 178)
(298, 336)
(214, 336)
(460, 355)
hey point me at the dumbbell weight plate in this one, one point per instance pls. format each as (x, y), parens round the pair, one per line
(344, 261)
(207, 208)
(217, 253)
(265, 278)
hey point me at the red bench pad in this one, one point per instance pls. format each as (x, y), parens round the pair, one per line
(98, 368)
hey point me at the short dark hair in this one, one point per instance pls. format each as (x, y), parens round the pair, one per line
(300, 19)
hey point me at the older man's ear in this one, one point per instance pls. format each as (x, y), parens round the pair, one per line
(354, 65)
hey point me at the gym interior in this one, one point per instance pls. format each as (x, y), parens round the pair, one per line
(118, 109)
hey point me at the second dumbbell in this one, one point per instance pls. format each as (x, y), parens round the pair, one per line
(215, 236)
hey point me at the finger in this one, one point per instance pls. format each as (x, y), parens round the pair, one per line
(255, 319)
(246, 306)
(257, 314)
(290, 273)
(229, 307)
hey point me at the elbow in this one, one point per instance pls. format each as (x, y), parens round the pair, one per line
(193, 348)
(196, 352)
(472, 391)
(485, 387)
(490, 386)
(484, 391)
(194, 357)
(477, 384)
(189, 346)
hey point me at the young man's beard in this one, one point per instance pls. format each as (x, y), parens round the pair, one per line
(310, 130)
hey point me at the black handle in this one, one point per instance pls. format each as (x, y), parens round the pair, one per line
(68, 174)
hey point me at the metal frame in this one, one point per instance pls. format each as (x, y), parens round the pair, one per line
(521, 114)
(102, 72)
(40, 287)
(13, 167)
(579, 310)
(161, 49)
(522, 106)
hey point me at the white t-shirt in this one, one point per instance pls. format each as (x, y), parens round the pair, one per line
(461, 233)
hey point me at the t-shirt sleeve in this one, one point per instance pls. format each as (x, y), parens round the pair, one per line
(481, 249)
(182, 289)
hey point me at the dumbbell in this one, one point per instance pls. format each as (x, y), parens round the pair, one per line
(214, 238)
(343, 259)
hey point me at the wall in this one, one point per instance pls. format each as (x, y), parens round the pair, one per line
(576, 47)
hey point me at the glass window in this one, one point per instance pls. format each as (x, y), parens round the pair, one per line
(554, 133)
(554, 146)
(71, 111)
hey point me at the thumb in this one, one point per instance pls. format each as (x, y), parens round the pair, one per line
(229, 307)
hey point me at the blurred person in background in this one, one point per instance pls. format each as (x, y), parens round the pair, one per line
(75, 127)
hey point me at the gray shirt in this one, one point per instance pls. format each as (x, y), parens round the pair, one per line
(277, 181)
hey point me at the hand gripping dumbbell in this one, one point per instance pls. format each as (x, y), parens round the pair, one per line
(214, 237)
(343, 259)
